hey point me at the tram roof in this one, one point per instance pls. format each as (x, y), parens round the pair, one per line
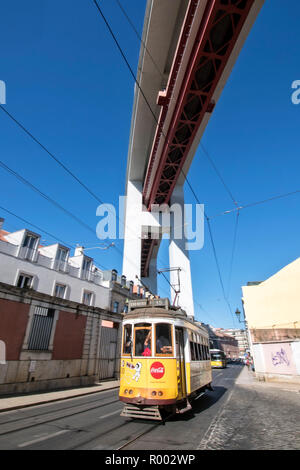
(158, 312)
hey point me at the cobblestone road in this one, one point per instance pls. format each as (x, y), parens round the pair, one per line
(256, 417)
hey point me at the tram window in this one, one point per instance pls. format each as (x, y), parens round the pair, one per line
(198, 355)
(163, 335)
(192, 348)
(203, 352)
(193, 351)
(194, 336)
(194, 339)
(142, 339)
(199, 352)
(127, 340)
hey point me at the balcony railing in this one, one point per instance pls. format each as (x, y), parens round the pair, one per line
(61, 266)
(92, 276)
(28, 253)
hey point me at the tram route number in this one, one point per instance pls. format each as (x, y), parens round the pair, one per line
(151, 459)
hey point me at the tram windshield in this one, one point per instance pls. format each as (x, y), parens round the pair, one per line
(142, 339)
(217, 356)
(163, 335)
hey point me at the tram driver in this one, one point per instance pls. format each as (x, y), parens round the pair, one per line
(163, 345)
(163, 339)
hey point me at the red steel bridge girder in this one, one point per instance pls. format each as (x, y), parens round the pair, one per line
(216, 38)
(217, 35)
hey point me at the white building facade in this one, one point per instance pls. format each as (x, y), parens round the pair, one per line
(53, 271)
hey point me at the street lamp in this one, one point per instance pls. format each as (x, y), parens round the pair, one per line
(238, 313)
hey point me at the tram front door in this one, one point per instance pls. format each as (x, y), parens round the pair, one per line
(181, 382)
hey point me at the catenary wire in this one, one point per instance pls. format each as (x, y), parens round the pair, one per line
(54, 237)
(233, 251)
(246, 206)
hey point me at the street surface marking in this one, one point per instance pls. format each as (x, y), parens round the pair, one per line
(44, 438)
(110, 414)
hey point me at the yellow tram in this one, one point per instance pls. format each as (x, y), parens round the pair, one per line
(218, 358)
(165, 361)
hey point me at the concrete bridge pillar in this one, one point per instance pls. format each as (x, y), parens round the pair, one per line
(179, 255)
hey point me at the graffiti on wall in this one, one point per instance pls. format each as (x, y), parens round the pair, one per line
(280, 357)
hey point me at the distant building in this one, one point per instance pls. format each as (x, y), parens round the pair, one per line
(241, 337)
(218, 339)
(60, 315)
(272, 312)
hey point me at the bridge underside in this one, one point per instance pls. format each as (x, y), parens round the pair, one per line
(217, 35)
(195, 44)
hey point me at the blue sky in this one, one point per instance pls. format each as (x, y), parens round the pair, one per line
(67, 83)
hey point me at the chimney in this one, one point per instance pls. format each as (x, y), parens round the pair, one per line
(79, 250)
(1, 222)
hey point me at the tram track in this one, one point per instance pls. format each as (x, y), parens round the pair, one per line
(154, 426)
(37, 408)
(42, 421)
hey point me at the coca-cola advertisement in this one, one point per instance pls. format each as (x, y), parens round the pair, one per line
(157, 370)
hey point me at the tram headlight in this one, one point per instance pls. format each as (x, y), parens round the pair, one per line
(153, 393)
(130, 392)
(125, 391)
(160, 394)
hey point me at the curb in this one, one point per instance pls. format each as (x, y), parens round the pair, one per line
(16, 407)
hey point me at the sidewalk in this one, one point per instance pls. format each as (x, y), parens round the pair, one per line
(247, 377)
(22, 401)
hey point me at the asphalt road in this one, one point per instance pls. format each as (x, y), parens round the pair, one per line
(94, 422)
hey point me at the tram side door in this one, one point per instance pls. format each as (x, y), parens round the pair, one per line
(181, 382)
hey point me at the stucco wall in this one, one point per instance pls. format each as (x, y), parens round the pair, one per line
(277, 361)
(276, 301)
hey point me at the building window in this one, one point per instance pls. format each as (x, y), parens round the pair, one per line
(25, 281)
(29, 241)
(29, 247)
(60, 291)
(87, 298)
(61, 259)
(87, 273)
(41, 328)
(116, 307)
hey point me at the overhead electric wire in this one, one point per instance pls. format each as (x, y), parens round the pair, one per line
(59, 162)
(65, 169)
(124, 57)
(246, 206)
(48, 198)
(139, 37)
(36, 226)
(233, 251)
(44, 231)
(218, 174)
